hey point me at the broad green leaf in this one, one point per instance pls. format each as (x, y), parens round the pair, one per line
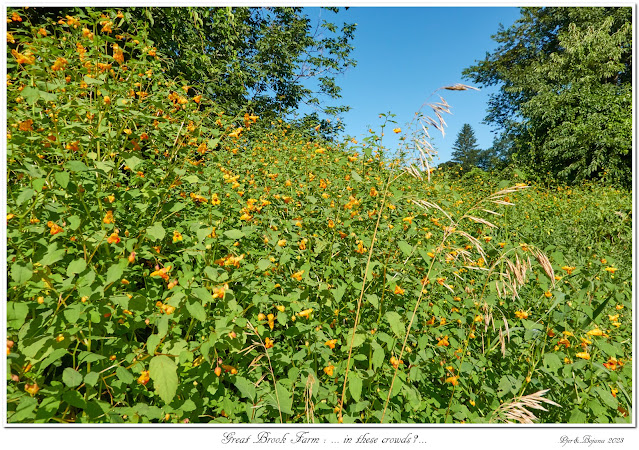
(76, 266)
(405, 247)
(62, 178)
(25, 195)
(21, 274)
(71, 377)
(395, 322)
(114, 273)
(91, 378)
(196, 310)
(124, 375)
(355, 385)
(234, 234)
(203, 294)
(16, 314)
(156, 231)
(163, 372)
(246, 388)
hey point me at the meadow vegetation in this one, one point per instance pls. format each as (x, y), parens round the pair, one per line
(169, 261)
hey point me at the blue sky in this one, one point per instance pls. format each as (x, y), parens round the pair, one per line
(404, 53)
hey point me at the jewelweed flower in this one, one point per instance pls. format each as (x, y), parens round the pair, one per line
(305, 313)
(108, 218)
(453, 380)
(612, 364)
(54, 228)
(596, 332)
(398, 290)
(114, 238)
(59, 64)
(583, 355)
(328, 370)
(144, 377)
(331, 343)
(568, 269)
(298, 275)
(397, 130)
(177, 236)
(443, 342)
(31, 389)
(521, 314)
(611, 270)
(268, 343)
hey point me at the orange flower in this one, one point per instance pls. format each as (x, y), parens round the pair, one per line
(59, 64)
(331, 224)
(118, 55)
(612, 364)
(32, 389)
(583, 355)
(331, 343)
(305, 313)
(23, 58)
(16, 17)
(521, 314)
(443, 342)
(72, 21)
(114, 238)
(268, 343)
(177, 236)
(161, 273)
(10, 38)
(54, 228)
(298, 275)
(108, 218)
(453, 380)
(328, 370)
(218, 292)
(132, 257)
(144, 377)
(398, 290)
(87, 33)
(106, 26)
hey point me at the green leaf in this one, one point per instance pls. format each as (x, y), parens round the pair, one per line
(124, 375)
(76, 266)
(358, 339)
(355, 176)
(21, 274)
(246, 388)
(378, 357)
(355, 386)
(373, 300)
(25, 195)
(608, 349)
(71, 377)
(395, 322)
(203, 294)
(16, 314)
(132, 162)
(62, 178)
(284, 397)
(156, 231)
(114, 273)
(91, 378)
(196, 310)
(405, 247)
(74, 398)
(163, 372)
(234, 234)
(54, 255)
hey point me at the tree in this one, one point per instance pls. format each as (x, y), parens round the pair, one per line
(465, 150)
(264, 60)
(565, 98)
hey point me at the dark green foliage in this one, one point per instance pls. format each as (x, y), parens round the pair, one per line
(565, 91)
(268, 61)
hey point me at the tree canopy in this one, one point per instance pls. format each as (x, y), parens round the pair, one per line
(565, 97)
(268, 61)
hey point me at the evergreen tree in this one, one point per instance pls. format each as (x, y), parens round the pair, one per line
(465, 150)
